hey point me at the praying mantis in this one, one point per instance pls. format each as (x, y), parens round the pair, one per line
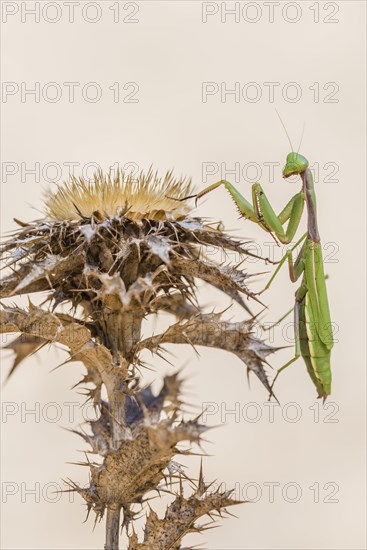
(312, 323)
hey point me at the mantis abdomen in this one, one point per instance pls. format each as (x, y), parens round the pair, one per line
(313, 350)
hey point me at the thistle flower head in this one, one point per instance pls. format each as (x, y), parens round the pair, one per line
(148, 197)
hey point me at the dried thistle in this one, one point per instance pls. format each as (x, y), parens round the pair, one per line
(119, 250)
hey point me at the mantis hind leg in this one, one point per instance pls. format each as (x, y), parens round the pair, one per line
(302, 344)
(297, 336)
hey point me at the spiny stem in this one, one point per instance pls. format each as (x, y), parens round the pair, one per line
(129, 326)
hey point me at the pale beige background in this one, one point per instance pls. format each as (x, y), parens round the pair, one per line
(169, 53)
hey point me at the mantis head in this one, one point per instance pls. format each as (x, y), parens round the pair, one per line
(295, 164)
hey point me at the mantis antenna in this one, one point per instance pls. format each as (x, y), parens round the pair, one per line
(300, 142)
(285, 129)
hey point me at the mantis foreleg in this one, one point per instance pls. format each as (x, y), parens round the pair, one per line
(261, 211)
(287, 256)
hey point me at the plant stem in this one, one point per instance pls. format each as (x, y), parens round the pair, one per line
(128, 330)
(112, 529)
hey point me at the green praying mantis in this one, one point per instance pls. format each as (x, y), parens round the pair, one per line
(312, 323)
